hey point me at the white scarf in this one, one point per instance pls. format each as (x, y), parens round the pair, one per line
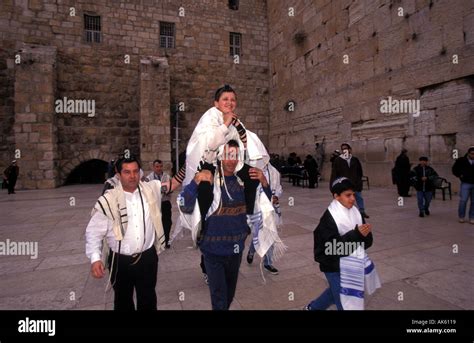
(357, 270)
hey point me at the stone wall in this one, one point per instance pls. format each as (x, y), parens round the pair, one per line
(35, 125)
(109, 72)
(338, 59)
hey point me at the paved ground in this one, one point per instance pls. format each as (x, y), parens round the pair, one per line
(424, 263)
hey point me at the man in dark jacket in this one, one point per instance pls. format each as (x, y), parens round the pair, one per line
(311, 167)
(10, 176)
(402, 173)
(349, 166)
(463, 168)
(423, 177)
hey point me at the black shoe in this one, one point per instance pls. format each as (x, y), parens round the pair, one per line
(167, 246)
(421, 215)
(272, 270)
(427, 212)
(250, 257)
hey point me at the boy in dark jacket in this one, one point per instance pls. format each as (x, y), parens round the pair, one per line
(341, 232)
(463, 168)
(423, 177)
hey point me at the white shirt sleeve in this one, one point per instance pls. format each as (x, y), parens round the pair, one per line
(95, 232)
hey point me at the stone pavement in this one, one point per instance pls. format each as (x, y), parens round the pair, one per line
(415, 257)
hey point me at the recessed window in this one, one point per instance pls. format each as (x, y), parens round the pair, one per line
(166, 35)
(235, 44)
(92, 28)
(234, 4)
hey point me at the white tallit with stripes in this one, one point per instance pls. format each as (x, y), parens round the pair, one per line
(114, 206)
(357, 270)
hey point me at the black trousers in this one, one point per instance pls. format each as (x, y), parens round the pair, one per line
(11, 185)
(166, 219)
(137, 273)
(223, 272)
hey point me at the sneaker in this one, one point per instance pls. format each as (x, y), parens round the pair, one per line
(272, 270)
(206, 278)
(421, 215)
(250, 257)
(461, 220)
(427, 212)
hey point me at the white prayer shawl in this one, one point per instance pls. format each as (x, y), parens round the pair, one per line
(357, 270)
(210, 135)
(262, 222)
(264, 227)
(274, 179)
(114, 206)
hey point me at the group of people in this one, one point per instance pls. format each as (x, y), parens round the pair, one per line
(424, 179)
(230, 191)
(226, 197)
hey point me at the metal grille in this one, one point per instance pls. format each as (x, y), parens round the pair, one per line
(166, 35)
(92, 28)
(235, 40)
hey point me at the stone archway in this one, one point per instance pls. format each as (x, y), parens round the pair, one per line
(66, 168)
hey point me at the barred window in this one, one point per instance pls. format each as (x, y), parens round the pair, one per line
(234, 4)
(92, 28)
(166, 35)
(235, 44)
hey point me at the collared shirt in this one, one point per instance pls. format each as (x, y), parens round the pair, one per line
(163, 177)
(136, 239)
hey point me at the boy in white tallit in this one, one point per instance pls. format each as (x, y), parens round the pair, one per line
(128, 217)
(340, 243)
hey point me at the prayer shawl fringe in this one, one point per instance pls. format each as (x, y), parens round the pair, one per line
(114, 206)
(357, 270)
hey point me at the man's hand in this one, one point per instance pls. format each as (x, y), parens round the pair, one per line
(257, 174)
(364, 229)
(97, 269)
(204, 175)
(229, 117)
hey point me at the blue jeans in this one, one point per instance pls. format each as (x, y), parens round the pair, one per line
(466, 192)
(360, 201)
(330, 296)
(222, 273)
(424, 199)
(267, 259)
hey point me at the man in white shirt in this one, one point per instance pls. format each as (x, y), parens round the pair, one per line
(129, 217)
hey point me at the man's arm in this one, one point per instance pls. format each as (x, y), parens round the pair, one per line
(95, 232)
(187, 198)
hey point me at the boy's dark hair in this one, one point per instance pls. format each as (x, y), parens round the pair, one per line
(122, 161)
(423, 158)
(346, 144)
(157, 161)
(233, 144)
(225, 88)
(341, 185)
